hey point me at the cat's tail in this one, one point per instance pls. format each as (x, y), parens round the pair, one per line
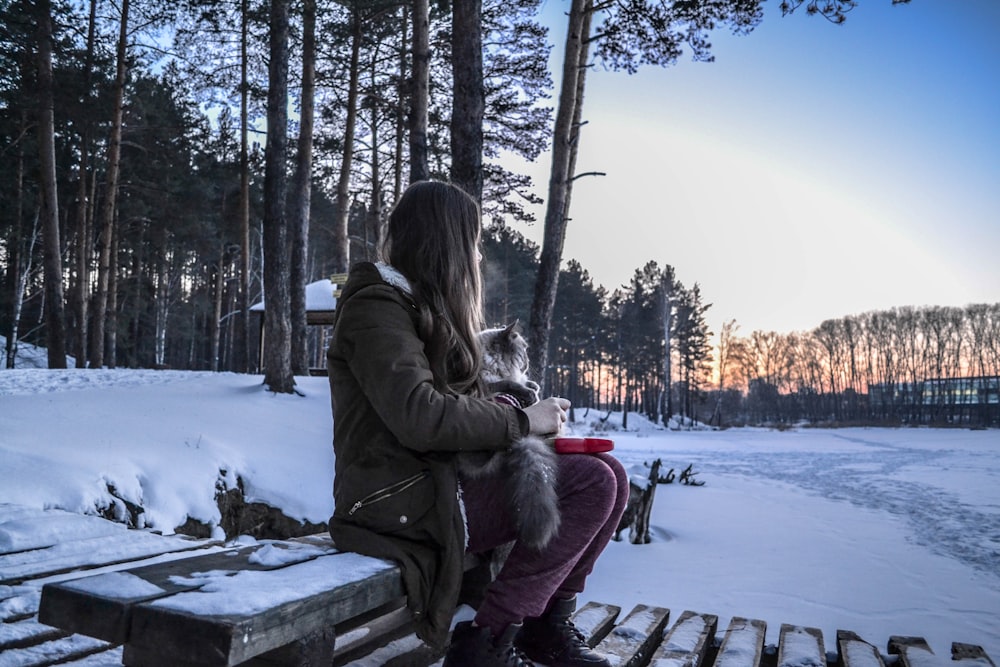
(531, 489)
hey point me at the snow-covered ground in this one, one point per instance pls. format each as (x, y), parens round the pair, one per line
(880, 531)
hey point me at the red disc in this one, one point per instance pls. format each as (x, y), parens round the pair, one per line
(583, 445)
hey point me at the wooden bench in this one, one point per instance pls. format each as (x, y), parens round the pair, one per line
(279, 602)
(108, 596)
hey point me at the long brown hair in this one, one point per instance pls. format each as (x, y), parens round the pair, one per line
(433, 239)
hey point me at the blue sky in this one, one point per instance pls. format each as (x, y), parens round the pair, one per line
(812, 171)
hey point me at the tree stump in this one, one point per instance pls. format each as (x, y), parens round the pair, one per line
(640, 504)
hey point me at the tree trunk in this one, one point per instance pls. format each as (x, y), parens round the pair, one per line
(277, 312)
(420, 91)
(162, 309)
(302, 193)
(667, 305)
(107, 214)
(55, 320)
(22, 271)
(373, 225)
(401, 94)
(242, 352)
(341, 239)
(84, 247)
(111, 331)
(563, 149)
(17, 273)
(215, 325)
(468, 99)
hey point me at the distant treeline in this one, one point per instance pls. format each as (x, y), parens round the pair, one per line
(645, 347)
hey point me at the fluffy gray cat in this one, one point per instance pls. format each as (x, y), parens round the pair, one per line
(529, 466)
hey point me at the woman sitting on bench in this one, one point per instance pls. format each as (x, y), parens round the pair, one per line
(404, 366)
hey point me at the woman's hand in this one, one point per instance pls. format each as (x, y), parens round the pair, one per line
(547, 416)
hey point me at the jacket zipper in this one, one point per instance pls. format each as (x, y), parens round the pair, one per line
(388, 492)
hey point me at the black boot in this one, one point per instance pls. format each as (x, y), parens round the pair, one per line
(473, 646)
(555, 641)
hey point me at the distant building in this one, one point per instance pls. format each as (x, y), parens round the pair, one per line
(967, 400)
(321, 303)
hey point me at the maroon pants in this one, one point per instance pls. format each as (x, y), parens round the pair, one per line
(592, 490)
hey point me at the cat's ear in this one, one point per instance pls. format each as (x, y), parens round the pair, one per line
(511, 328)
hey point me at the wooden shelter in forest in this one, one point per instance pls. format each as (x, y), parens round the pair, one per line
(321, 302)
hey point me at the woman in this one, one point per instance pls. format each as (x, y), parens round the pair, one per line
(404, 366)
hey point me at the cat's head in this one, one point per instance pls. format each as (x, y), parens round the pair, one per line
(505, 353)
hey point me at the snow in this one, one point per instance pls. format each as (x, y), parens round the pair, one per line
(685, 635)
(880, 531)
(33, 531)
(251, 591)
(120, 585)
(44, 653)
(319, 296)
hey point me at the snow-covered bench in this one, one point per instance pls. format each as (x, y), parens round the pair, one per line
(300, 602)
(285, 601)
(289, 602)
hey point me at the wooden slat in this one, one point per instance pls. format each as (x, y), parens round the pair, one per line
(67, 648)
(316, 648)
(856, 652)
(22, 603)
(687, 642)
(317, 594)
(100, 605)
(26, 633)
(743, 643)
(122, 547)
(799, 646)
(633, 640)
(970, 655)
(365, 637)
(912, 651)
(595, 620)
(110, 658)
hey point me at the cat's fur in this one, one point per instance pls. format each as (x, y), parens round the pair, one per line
(529, 466)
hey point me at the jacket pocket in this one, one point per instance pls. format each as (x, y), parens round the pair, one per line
(395, 506)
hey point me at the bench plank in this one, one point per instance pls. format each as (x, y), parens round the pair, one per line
(595, 620)
(122, 546)
(800, 646)
(912, 651)
(110, 658)
(26, 633)
(21, 604)
(688, 641)
(73, 646)
(743, 643)
(856, 652)
(363, 636)
(238, 617)
(101, 605)
(633, 640)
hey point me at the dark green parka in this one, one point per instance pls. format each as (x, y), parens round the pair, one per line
(396, 433)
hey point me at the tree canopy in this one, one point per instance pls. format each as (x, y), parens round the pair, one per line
(152, 171)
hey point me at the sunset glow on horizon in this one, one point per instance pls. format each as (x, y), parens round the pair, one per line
(812, 171)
